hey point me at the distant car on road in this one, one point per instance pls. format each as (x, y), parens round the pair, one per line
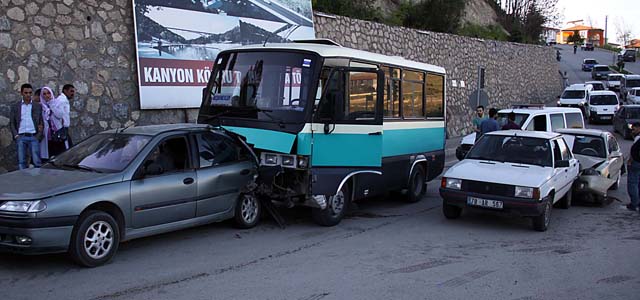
(624, 118)
(587, 47)
(588, 63)
(600, 72)
(518, 172)
(601, 106)
(125, 184)
(597, 85)
(633, 96)
(601, 162)
(627, 83)
(628, 55)
(613, 81)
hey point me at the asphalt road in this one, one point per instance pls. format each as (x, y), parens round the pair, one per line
(385, 249)
(572, 63)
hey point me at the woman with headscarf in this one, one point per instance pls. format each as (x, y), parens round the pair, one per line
(46, 99)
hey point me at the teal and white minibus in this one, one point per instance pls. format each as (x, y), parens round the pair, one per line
(330, 124)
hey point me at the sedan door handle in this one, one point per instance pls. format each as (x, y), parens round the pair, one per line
(245, 172)
(188, 181)
(375, 133)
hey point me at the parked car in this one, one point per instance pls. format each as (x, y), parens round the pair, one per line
(633, 96)
(600, 72)
(613, 81)
(125, 184)
(628, 82)
(601, 162)
(624, 118)
(601, 106)
(588, 63)
(531, 118)
(596, 85)
(516, 172)
(587, 46)
(628, 55)
(575, 95)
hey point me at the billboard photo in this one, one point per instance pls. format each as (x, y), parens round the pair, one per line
(177, 41)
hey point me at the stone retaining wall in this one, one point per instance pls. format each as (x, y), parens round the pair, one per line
(90, 43)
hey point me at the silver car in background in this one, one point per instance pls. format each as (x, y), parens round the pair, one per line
(124, 184)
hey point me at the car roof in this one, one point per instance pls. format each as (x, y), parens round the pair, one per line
(540, 111)
(616, 74)
(632, 76)
(339, 51)
(599, 93)
(524, 133)
(593, 82)
(589, 59)
(574, 131)
(600, 65)
(577, 87)
(636, 88)
(632, 105)
(153, 130)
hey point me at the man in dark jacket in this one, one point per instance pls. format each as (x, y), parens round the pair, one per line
(26, 123)
(511, 124)
(633, 167)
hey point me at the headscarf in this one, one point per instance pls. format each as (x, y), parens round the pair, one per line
(46, 111)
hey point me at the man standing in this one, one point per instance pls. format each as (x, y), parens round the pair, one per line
(26, 118)
(511, 124)
(633, 167)
(490, 124)
(60, 119)
(477, 120)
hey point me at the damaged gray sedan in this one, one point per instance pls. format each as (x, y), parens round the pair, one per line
(601, 162)
(128, 183)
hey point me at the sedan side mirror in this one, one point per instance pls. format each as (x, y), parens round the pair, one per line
(615, 154)
(562, 164)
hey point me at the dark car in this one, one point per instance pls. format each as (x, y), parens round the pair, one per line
(600, 72)
(125, 184)
(628, 55)
(624, 117)
(587, 47)
(588, 63)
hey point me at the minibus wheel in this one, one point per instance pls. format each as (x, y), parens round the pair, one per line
(336, 209)
(417, 187)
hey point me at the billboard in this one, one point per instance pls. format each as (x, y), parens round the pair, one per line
(177, 41)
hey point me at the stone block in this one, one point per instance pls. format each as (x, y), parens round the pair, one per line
(16, 13)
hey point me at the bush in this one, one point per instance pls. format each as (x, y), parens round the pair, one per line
(491, 32)
(615, 68)
(363, 9)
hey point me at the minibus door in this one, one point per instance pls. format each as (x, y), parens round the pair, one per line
(347, 122)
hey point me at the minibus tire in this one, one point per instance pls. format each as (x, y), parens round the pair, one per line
(417, 185)
(328, 216)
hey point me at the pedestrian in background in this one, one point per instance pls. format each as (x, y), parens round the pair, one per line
(479, 117)
(511, 123)
(25, 119)
(490, 124)
(46, 98)
(633, 169)
(60, 121)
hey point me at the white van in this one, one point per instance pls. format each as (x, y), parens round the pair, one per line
(575, 95)
(627, 83)
(602, 106)
(531, 118)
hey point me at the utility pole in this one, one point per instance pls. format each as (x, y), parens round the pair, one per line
(606, 23)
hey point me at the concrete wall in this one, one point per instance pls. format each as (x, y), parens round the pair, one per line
(91, 44)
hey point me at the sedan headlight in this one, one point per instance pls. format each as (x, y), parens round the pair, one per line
(630, 126)
(527, 192)
(452, 183)
(24, 206)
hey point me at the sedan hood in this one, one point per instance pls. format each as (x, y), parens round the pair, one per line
(39, 183)
(469, 139)
(502, 173)
(587, 162)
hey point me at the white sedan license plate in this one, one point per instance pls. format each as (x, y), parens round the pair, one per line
(484, 202)
(606, 117)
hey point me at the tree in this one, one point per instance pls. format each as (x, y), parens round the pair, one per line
(524, 19)
(575, 38)
(435, 15)
(623, 31)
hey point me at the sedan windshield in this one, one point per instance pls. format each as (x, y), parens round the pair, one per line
(601, 69)
(632, 113)
(269, 86)
(573, 95)
(503, 119)
(614, 77)
(106, 152)
(631, 83)
(589, 146)
(590, 62)
(512, 149)
(603, 100)
(597, 86)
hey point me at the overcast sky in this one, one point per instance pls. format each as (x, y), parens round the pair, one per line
(627, 11)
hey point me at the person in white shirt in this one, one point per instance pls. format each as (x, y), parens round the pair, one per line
(25, 119)
(60, 118)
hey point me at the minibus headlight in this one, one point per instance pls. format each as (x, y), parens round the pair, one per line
(288, 161)
(270, 159)
(303, 162)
